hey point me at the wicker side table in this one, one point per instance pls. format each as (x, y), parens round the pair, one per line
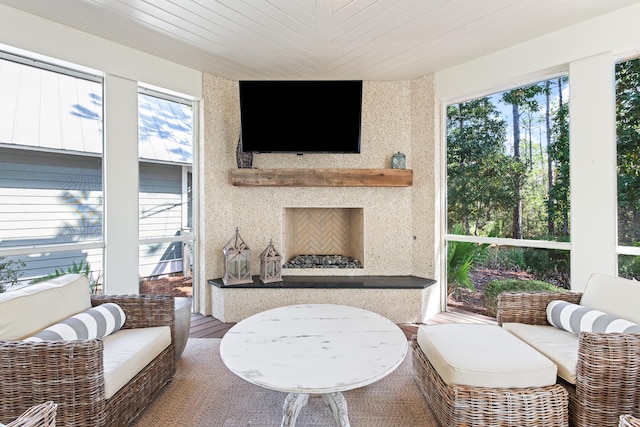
(629, 421)
(459, 405)
(42, 415)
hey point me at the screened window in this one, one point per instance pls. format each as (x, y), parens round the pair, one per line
(50, 169)
(628, 154)
(508, 187)
(165, 190)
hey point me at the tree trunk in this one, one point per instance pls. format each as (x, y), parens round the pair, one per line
(565, 218)
(517, 208)
(550, 211)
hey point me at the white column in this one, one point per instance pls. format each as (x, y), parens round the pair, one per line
(593, 168)
(120, 185)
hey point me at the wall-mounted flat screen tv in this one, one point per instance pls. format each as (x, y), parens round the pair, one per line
(301, 116)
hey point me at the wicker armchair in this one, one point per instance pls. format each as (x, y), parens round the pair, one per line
(71, 372)
(42, 415)
(608, 368)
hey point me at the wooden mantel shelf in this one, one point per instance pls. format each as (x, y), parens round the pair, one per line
(322, 177)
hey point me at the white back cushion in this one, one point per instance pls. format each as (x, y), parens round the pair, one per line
(613, 295)
(28, 310)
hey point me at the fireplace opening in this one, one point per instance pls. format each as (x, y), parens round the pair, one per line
(323, 237)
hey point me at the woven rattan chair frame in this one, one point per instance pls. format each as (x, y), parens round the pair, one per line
(459, 405)
(70, 373)
(42, 415)
(629, 421)
(608, 368)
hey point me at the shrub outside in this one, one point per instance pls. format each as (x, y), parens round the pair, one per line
(496, 287)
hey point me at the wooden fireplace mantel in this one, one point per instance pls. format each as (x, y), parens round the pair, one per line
(322, 177)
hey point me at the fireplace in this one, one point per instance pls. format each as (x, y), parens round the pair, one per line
(322, 234)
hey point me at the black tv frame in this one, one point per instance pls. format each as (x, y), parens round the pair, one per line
(301, 116)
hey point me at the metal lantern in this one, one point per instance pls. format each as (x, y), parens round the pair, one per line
(270, 265)
(237, 261)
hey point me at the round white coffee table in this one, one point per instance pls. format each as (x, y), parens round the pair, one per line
(314, 349)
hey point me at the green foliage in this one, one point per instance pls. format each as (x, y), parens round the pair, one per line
(9, 272)
(478, 170)
(490, 182)
(460, 258)
(504, 258)
(524, 97)
(80, 268)
(496, 287)
(544, 263)
(629, 266)
(558, 201)
(628, 150)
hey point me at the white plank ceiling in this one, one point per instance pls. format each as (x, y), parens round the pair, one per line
(318, 39)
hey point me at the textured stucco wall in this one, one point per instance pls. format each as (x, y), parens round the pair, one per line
(394, 118)
(425, 160)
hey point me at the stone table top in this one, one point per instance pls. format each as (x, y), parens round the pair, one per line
(313, 348)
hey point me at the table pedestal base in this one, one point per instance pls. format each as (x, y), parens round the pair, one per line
(293, 403)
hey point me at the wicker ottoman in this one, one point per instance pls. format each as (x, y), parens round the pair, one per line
(490, 378)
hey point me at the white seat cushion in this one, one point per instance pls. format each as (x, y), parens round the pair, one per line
(558, 345)
(484, 356)
(127, 351)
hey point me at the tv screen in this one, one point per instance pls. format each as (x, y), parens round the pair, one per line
(310, 116)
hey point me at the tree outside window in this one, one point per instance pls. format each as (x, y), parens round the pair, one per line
(508, 184)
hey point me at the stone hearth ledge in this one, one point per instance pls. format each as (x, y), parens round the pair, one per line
(401, 299)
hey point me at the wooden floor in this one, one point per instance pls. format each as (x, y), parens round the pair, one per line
(210, 327)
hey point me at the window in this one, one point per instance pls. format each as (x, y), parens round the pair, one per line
(50, 169)
(166, 180)
(628, 155)
(508, 186)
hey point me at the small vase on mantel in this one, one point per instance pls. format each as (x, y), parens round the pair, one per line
(398, 161)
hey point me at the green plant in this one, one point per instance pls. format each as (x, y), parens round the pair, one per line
(9, 273)
(81, 268)
(460, 258)
(544, 263)
(629, 267)
(496, 287)
(504, 258)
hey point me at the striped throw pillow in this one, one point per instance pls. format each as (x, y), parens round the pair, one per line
(577, 318)
(96, 322)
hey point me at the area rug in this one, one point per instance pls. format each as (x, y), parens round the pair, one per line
(205, 393)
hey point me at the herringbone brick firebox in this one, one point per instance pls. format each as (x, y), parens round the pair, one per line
(323, 231)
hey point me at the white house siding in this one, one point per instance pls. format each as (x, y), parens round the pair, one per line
(160, 216)
(51, 198)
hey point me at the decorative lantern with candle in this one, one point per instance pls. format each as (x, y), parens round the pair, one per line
(270, 265)
(237, 261)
